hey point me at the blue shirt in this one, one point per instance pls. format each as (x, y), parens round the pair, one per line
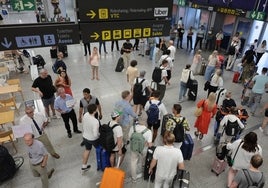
(260, 81)
(126, 109)
(60, 103)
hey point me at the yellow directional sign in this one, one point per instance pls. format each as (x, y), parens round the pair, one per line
(117, 34)
(95, 36)
(127, 33)
(137, 33)
(106, 35)
(91, 14)
(146, 32)
(103, 13)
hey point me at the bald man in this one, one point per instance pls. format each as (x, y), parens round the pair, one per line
(38, 156)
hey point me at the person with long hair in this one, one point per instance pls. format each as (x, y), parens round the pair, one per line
(196, 61)
(94, 61)
(212, 62)
(209, 110)
(64, 81)
(261, 49)
(185, 75)
(244, 150)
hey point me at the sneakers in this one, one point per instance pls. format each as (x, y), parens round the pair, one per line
(55, 155)
(83, 170)
(69, 135)
(261, 129)
(55, 117)
(48, 119)
(134, 180)
(78, 131)
(49, 174)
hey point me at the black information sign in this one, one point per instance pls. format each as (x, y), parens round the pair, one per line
(38, 35)
(94, 32)
(108, 10)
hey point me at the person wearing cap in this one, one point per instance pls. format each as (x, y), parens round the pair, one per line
(90, 134)
(118, 139)
(126, 109)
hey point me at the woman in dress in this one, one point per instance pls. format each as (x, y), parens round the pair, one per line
(209, 110)
(196, 62)
(94, 61)
(64, 81)
(244, 150)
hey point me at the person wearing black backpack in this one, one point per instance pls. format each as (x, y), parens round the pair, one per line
(178, 125)
(251, 177)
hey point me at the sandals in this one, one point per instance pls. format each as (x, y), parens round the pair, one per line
(196, 133)
(201, 136)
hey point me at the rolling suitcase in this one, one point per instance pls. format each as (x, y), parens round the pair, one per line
(203, 68)
(148, 159)
(53, 53)
(220, 96)
(120, 65)
(164, 121)
(236, 77)
(192, 92)
(187, 147)
(218, 166)
(113, 177)
(181, 179)
(103, 158)
(63, 49)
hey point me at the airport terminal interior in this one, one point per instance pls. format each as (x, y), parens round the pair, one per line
(108, 90)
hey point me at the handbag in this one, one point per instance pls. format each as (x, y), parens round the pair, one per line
(206, 86)
(229, 158)
(189, 81)
(198, 111)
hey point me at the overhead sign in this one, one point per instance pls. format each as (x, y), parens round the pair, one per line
(107, 10)
(255, 15)
(38, 35)
(181, 2)
(21, 5)
(94, 32)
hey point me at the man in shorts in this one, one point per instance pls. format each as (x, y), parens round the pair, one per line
(43, 85)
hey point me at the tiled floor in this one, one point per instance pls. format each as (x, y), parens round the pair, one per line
(108, 89)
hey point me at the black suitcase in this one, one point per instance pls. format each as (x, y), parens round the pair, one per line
(63, 49)
(120, 65)
(39, 61)
(187, 147)
(192, 92)
(148, 159)
(181, 179)
(53, 53)
(164, 121)
(7, 165)
(203, 68)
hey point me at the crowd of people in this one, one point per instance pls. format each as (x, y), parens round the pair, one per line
(146, 99)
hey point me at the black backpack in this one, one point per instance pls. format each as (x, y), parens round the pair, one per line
(251, 183)
(157, 75)
(178, 130)
(232, 128)
(7, 165)
(107, 137)
(137, 89)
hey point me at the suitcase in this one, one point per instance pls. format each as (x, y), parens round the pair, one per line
(53, 53)
(181, 179)
(120, 65)
(103, 158)
(164, 121)
(112, 177)
(187, 147)
(220, 96)
(203, 68)
(236, 77)
(63, 49)
(7, 164)
(39, 61)
(148, 159)
(192, 92)
(218, 166)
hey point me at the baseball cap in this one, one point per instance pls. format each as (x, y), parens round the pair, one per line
(115, 114)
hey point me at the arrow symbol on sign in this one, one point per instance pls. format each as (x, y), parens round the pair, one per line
(253, 15)
(6, 43)
(92, 14)
(29, 4)
(95, 36)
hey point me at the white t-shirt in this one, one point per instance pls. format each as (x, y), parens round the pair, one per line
(169, 59)
(168, 158)
(117, 133)
(90, 127)
(139, 128)
(161, 107)
(38, 117)
(172, 52)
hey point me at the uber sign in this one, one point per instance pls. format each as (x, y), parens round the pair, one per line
(161, 12)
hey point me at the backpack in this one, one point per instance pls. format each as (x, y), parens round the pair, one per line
(153, 113)
(231, 128)
(107, 137)
(251, 183)
(178, 130)
(137, 89)
(54, 68)
(232, 50)
(137, 140)
(157, 75)
(7, 165)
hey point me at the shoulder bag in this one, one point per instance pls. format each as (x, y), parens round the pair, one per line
(198, 111)
(189, 81)
(230, 160)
